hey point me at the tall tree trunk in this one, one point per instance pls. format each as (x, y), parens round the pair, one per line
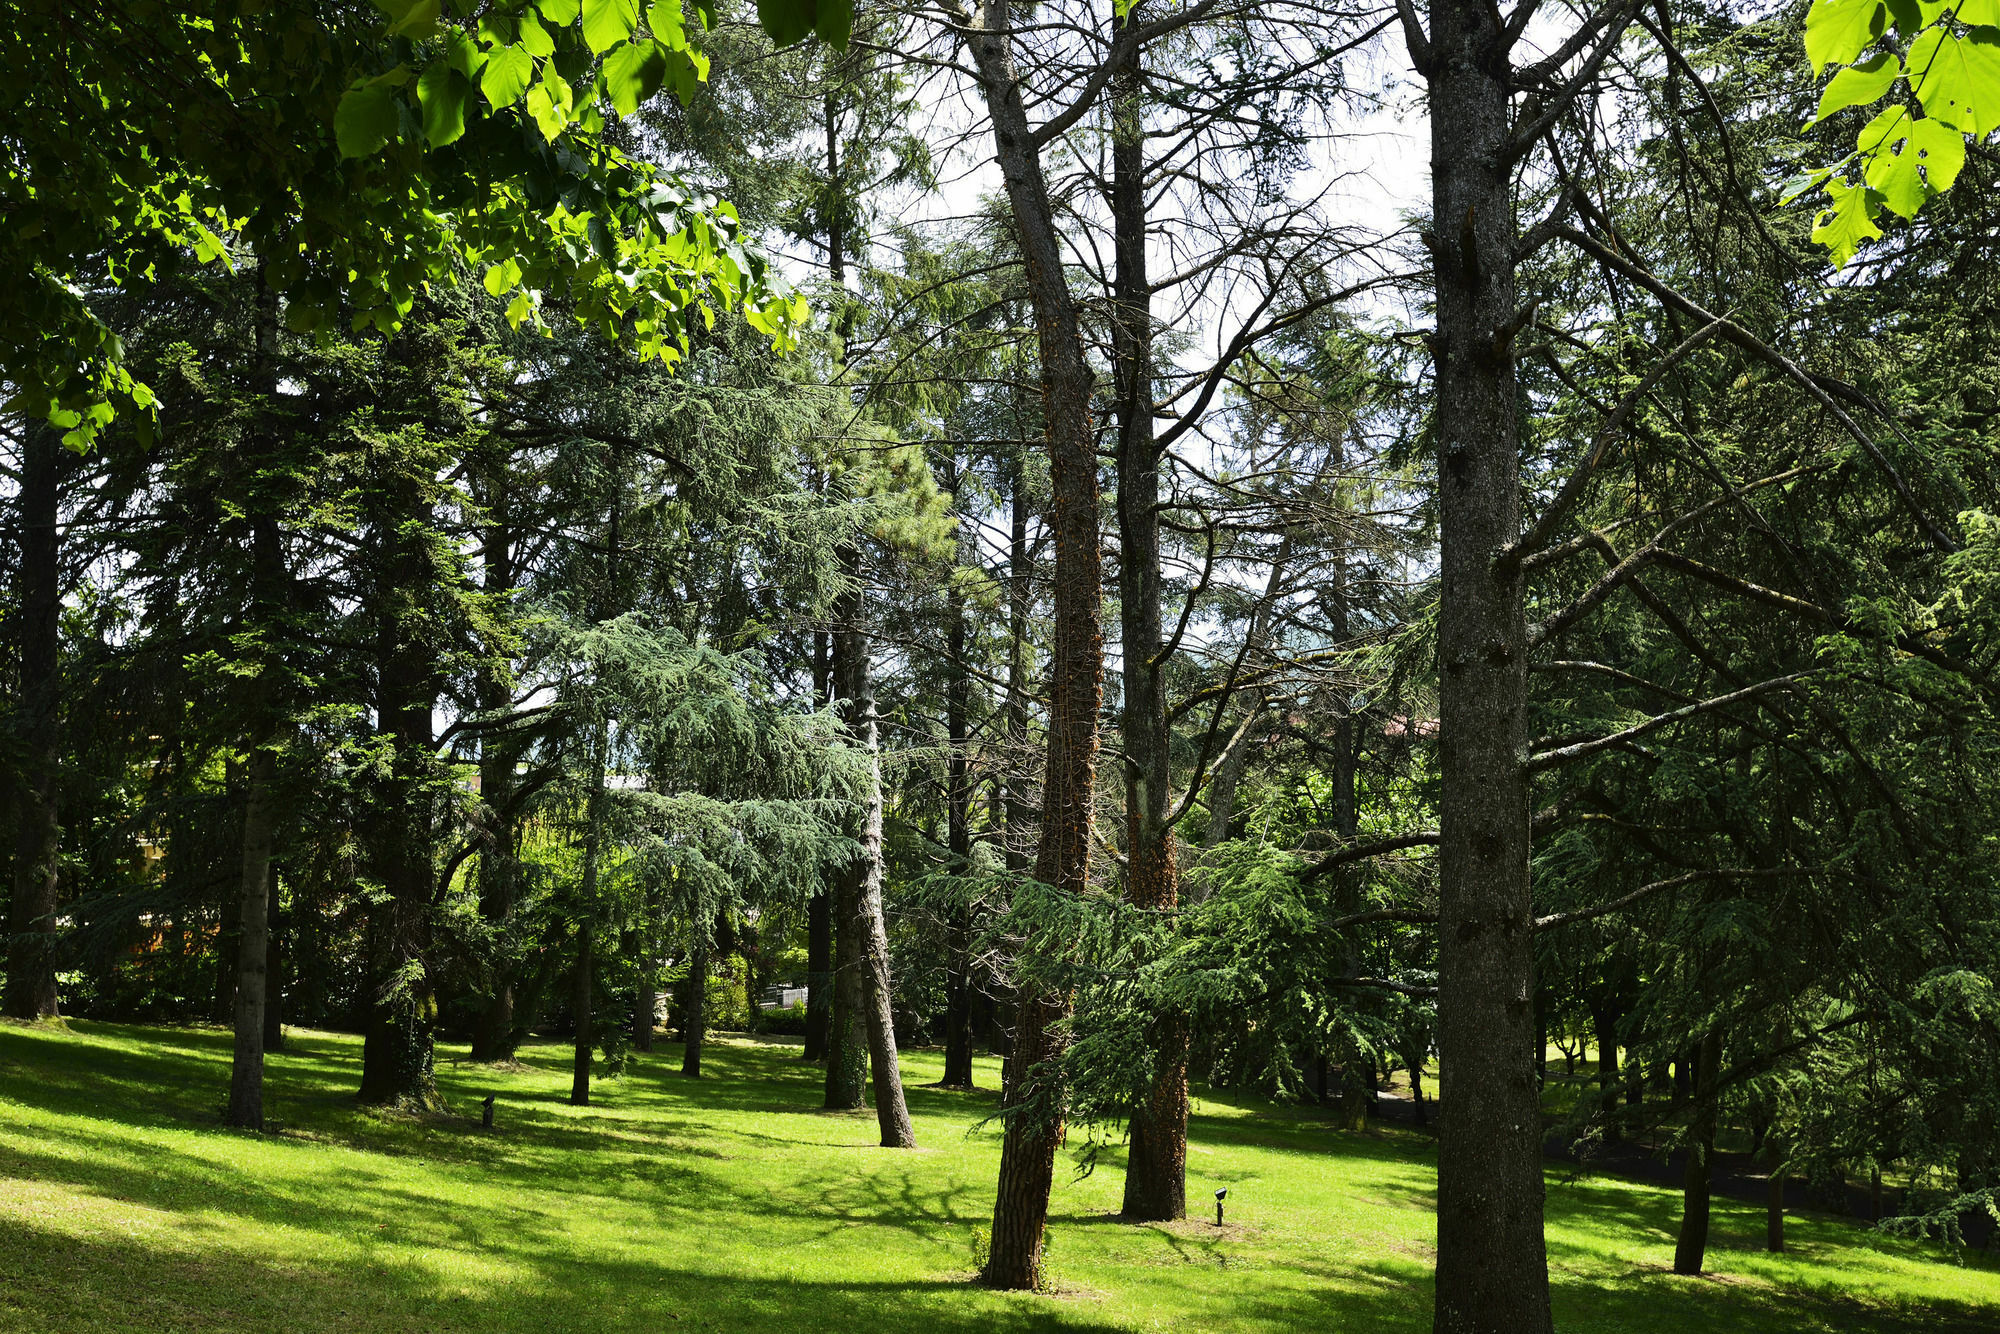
(892, 1116)
(398, 1051)
(274, 972)
(959, 984)
(694, 1016)
(646, 999)
(493, 1035)
(819, 911)
(1692, 1246)
(847, 1028)
(580, 1011)
(267, 559)
(1492, 1266)
(1076, 679)
(582, 994)
(31, 949)
(1774, 1197)
(1156, 1165)
(246, 1073)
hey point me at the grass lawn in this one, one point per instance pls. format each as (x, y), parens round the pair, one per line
(732, 1203)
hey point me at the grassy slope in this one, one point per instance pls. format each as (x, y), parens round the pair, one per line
(732, 1204)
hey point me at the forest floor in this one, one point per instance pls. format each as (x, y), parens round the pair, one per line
(733, 1203)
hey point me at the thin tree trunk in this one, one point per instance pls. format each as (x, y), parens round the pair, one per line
(1692, 1246)
(958, 838)
(1076, 679)
(493, 1037)
(694, 1019)
(580, 1010)
(246, 1073)
(31, 952)
(1156, 1164)
(819, 912)
(274, 988)
(1774, 1199)
(1492, 1265)
(819, 974)
(646, 1001)
(847, 1030)
(891, 1114)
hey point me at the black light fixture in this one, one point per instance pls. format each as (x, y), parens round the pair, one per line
(1220, 1195)
(486, 1119)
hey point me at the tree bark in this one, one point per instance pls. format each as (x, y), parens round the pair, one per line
(1076, 678)
(1774, 1199)
(580, 1010)
(892, 1116)
(274, 986)
(267, 598)
(398, 1050)
(819, 911)
(1691, 1248)
(958, 839)
(246, 1072)
(1492, 1267)
(694, 1017)
(646, 1000)
(493, 1036)
(31, 946)
(819, 974)
(1156, 1164)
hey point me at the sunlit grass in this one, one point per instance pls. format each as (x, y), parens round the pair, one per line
(733, 1203)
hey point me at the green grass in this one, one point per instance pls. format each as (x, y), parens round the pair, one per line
(732, 1203)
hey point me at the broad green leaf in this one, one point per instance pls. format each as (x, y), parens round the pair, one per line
(410, 18)
(562, 13)
(549, 102)
(668, 24)
(1803, 184)
(443, 92)
(1859, 85)
(503, 277)
(1958, 78)
(535, 38)
(1892, 161)
(835, 22)
(608, 22)
(463, 54)
(1943, 149)
(1979, 12)
(1836, 30)
(789, 21)
(1843, 227)
(364, 120)
(506, 76)
(633, 72)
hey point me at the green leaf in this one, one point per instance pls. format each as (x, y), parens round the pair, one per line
(506, 76)
(633, 72)
(1802, 184)
(1836, 30)
(410, 18)
(364, 120)
(549, 102)
(1958, 78)
(835, 22)
(608, 22)
(503, 277)
(787, 21)
(1979, 12)
(1843, 227)
(535, 38)
(443, 93)
(462, 54)
(1891, 164)
(562, 13)
(668, 24)
(1859, 85)
(1943, 150)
